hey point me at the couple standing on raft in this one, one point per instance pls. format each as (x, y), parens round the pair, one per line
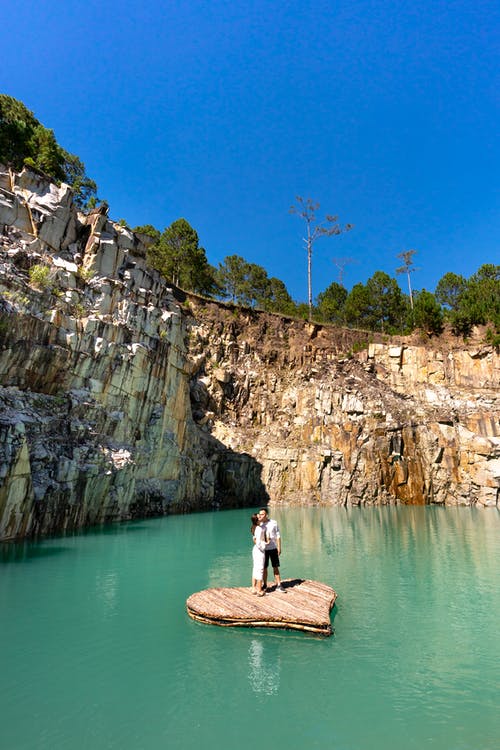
(267, 546)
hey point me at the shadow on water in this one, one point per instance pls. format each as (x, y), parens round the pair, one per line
(39, 548)
(23, 552)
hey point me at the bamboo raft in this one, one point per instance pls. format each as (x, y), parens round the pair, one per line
(305, 606)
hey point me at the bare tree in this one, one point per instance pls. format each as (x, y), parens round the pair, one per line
(306, 208)
(408, 268)
(341, 263)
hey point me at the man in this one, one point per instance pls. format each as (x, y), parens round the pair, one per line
(273, 548)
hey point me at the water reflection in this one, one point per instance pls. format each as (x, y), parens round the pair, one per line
(264, 668)
(22, 552)
(106, 586)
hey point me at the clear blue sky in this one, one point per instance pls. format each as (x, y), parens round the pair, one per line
(222, 112)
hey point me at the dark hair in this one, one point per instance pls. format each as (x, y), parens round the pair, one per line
(264, 509)
(255, 522)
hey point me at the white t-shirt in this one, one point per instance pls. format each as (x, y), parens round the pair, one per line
(272, 531)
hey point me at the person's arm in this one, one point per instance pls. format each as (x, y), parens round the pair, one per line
(278, 540)
(259, 539)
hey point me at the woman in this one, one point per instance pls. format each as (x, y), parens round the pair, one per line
(259, 546)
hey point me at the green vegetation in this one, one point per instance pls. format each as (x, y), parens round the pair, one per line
(331, 304)
(427, 313)
(379, 305)
(248, 284)
(25, 141)
(177, 255)
(40, 276)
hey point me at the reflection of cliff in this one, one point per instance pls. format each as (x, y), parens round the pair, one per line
(122, 397)
(407, 537)
(264, 671)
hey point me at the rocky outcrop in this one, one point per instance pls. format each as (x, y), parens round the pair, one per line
(122, 397)
(392, 422)
(95, 417)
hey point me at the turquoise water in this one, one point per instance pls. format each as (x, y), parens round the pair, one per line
(97, 650)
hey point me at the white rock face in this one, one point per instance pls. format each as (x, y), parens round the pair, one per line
(401, 423)
(95, 415)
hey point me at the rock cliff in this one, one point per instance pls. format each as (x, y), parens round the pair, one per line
(122, 397)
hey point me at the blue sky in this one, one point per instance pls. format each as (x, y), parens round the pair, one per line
(386, 113)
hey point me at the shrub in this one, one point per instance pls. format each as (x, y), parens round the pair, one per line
(40, 276)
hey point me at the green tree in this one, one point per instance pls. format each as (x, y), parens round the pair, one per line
(278, 299)
(480, 301)
(149, 230)
(17, 126)
(379, 305)
(48, 156)
(75, 175)
(450, 289)
(232, 277)
(387, 309)
(427, 312)
(24, 140)
(357, 307)
(257, 285)
(248, 284)
(330, 303)
(179, 257)
(306, 208)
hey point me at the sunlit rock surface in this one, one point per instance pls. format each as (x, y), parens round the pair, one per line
(95, 416)
(416, 424)
(122, 397)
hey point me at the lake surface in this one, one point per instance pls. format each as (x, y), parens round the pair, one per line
(97, 650)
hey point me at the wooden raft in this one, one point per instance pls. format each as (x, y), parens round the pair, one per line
(305, 606)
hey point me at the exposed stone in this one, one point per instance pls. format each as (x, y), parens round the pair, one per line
(118, 402)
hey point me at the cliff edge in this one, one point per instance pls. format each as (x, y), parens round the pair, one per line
(123, 397)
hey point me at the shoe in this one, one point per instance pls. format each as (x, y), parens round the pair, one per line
(264, 586)
(261, 593)
(280, 589)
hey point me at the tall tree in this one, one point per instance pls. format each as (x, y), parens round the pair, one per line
(306, 208)
(278, 299)
(427, 312)
(179, 257)
(450, 289)
(408, 268)
(232, 277)
(330, 303)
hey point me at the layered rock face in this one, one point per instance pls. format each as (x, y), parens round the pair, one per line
(95, 416)
(122, 397)
(392, 422)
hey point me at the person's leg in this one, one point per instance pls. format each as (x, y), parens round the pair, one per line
(266, 563)
(277, 578)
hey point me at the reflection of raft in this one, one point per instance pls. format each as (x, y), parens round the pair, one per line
(306, 606)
